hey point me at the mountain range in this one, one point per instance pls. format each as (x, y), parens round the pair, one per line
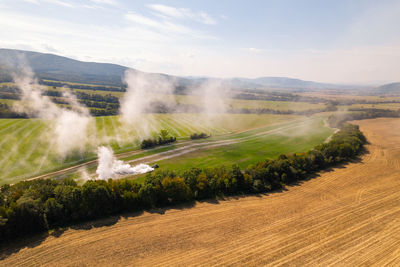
(54, 67)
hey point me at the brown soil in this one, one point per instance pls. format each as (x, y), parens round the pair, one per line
(347, 216)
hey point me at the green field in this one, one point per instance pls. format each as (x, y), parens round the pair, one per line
(197, 101)
(229, 102)
(27, 147)
(246, 148)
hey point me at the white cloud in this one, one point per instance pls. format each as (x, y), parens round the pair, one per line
(165, 26)
(105, 2)
(55, 2)
(32, 1)
(167, 40)
(255, 50)
(183, 13)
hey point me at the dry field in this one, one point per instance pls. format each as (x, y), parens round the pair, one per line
(348, 216)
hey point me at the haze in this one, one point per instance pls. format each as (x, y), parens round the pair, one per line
(327, 41)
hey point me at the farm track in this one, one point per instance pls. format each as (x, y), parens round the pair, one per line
(349, 216)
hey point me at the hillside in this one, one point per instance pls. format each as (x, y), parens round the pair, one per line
(53, 67)
(49, 66)
(285, 82)
(390, 88)
(346, 217)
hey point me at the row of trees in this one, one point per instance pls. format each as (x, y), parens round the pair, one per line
(99, 105)
(336, 120)
(308, 112)
(7, 112)
(163, 138)
(34, 206)
(83, 86)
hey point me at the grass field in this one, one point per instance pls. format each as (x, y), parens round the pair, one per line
(194, 100)
(229, 102)
(7, 101)
(339, 97)
(348, 216)
(250, 147)
(27, 149)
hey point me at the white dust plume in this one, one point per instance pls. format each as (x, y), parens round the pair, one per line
(69, 126)
(110, 167)
(143, 91)
(215, 95)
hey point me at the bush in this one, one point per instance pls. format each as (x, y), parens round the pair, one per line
(198, 136)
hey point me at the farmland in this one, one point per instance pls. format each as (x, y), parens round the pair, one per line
(391, 106)
(348, 216)
(249, 147)
(28, 151)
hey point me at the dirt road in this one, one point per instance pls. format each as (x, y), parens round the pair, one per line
(348, 216)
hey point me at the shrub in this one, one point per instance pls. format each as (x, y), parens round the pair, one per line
(198, 136)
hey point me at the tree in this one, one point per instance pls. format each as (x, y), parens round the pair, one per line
(148, 195)
(96, 199)
(164, 134)
(54, 212)
(176, 189)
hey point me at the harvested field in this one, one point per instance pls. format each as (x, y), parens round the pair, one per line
(347, 216)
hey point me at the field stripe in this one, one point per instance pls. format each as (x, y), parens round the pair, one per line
(12, 125)
(14, 133)
(17, 145)
(18, 159)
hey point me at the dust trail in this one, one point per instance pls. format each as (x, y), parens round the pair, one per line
(84, 175)
(45, 156)
(142, 92)
(116, 133)
(110, 167)
(105, 138)
(69, 126)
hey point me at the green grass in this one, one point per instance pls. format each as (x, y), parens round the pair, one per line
(251, 149)
(27, 147)
(9, 102)
(196, 100)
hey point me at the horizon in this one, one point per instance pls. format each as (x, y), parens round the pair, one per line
(338, 42)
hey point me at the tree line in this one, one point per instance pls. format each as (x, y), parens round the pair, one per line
(163, 138)
(34, 206)
(336, 120)
(83, 86)
(99, 105)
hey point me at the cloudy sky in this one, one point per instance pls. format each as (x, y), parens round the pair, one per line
(345, 41)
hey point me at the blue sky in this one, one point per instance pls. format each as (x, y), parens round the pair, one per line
(346, 41)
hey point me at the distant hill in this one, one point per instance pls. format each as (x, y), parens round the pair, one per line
(390, 88)
(49, 66)
(53, 67)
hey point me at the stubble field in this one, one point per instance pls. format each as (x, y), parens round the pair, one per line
(347, 216)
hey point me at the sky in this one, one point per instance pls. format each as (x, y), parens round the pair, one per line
(341, 41)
